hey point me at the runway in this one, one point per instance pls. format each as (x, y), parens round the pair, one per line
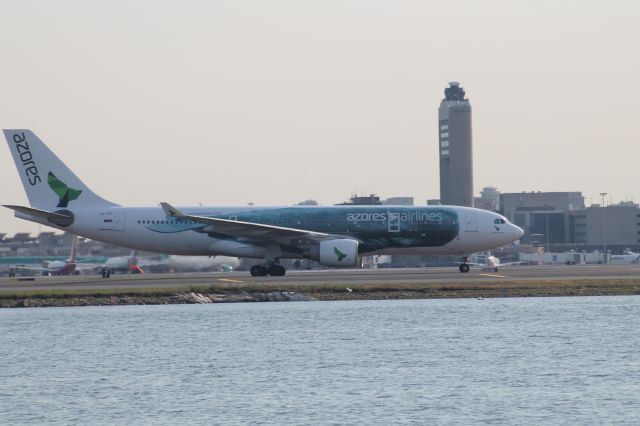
(349, 277)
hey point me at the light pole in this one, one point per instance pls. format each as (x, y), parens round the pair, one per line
(546, 231)
(604, 227)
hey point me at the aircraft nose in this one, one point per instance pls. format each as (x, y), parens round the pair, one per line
(517, 232)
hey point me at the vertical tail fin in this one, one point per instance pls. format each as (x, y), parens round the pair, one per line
(134, 267)
(48, 182)
(74, 250)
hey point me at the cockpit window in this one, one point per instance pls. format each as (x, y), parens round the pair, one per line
(499, 221)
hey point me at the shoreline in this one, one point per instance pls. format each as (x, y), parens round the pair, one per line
(319, 292)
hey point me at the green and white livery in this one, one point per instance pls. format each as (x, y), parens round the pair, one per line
(332, 235)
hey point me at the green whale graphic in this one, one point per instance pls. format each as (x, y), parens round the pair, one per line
(64, 193)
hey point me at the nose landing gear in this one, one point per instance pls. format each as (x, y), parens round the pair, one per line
(464, 266)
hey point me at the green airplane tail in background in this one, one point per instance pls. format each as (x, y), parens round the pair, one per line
(64, 193)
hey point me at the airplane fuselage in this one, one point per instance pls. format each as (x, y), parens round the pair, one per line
(422, 230)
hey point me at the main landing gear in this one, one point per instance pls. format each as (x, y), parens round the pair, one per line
(464, 266)
(270, 268)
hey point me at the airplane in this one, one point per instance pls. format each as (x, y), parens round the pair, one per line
(123, 264)
(488, 262)
(55, 267)
(9, 265)
(626, 258)
(132, 264)
(333, 235)
(175, 263)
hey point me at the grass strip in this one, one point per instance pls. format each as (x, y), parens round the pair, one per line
(630, 284)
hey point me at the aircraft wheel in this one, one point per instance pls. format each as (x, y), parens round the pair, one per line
(276, 270)
(464, 268)
(258, 271)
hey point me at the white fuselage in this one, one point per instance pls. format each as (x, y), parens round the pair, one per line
(128, 227)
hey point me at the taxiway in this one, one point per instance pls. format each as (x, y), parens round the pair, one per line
(337, 277)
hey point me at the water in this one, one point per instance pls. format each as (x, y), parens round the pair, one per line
(495, 361)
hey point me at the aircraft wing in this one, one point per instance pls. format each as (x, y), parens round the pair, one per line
(512, 263)
(251, 231)
(31, 269)
(27, 268)
(87, 266)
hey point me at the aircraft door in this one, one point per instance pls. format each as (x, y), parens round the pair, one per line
(106, 221)
(471, 223)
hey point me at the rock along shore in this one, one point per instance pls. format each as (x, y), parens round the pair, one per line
(149, 299)
(312, 293)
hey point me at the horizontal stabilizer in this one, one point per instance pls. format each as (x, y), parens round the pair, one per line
(55, 219)
(38, 213)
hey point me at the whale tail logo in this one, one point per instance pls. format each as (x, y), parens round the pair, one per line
(340, 254)
(64, 192)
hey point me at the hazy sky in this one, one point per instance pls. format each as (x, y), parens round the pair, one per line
(274, 102)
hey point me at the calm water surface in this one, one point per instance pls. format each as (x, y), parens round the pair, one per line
(495, 361)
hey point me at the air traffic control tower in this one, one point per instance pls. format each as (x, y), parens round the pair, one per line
(455, 148)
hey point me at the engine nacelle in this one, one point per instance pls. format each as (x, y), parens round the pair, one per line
(339, 252)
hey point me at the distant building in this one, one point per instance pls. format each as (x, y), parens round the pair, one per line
(357, 200)
(489, 199)
(54, 244)
(615, 226)
(398, 201)
(455, 148)
(308, 203)
(433, 202)
(543, 214)
(23, 237)
(374, 200)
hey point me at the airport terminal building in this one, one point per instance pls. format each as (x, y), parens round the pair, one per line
(616, 226)
(544, 214)
(560, 220)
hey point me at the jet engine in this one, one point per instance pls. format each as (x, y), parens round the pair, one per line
(339, 252)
